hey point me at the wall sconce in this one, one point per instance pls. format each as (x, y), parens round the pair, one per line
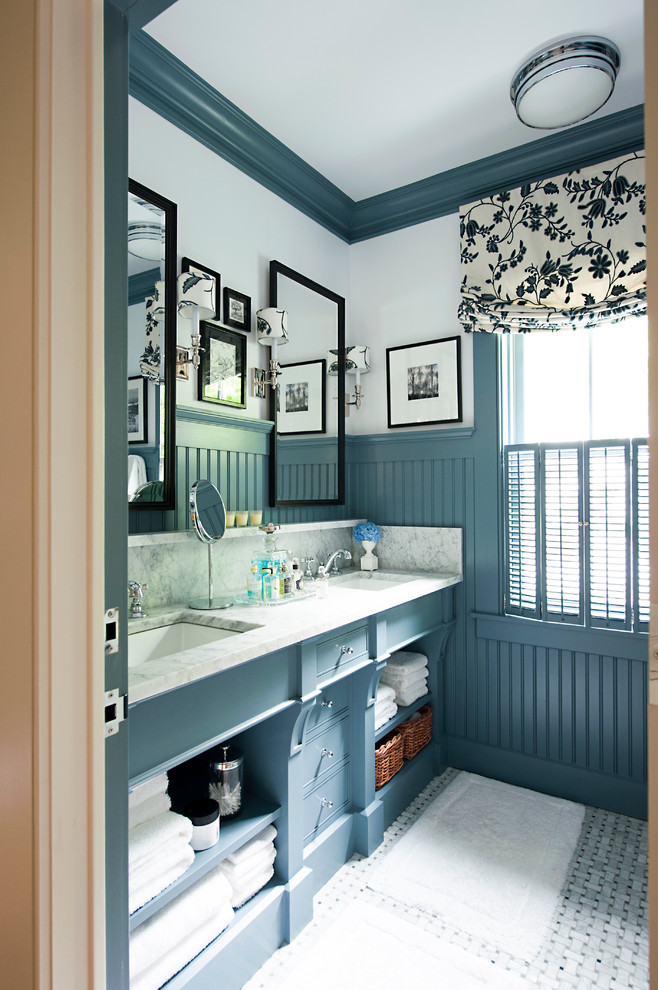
(196, 301)
(357, 363)
(272, 330)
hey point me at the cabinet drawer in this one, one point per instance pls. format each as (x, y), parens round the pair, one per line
(325, 751)
(339, 651)
(330, 705)
(326, 802)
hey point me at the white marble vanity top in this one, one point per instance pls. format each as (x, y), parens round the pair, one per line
(270, 628)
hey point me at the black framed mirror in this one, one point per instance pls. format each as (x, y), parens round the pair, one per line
(307, 454)
(151, 348)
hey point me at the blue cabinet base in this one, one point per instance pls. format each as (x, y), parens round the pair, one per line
(369, 828)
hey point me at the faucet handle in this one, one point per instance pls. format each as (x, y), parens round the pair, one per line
(136, 592)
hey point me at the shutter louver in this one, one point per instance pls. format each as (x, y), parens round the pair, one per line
(522, 531)
(609, 545)
(641, 515)
(562, 533)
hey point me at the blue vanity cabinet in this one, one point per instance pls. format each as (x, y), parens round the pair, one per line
(304, 719)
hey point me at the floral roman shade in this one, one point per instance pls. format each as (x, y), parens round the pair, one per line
(559, 253)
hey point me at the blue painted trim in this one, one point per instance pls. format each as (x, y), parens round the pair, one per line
(141, 285)
(140, 12)
(190, 414)
(426, 436)
(442, 194)
(562, 636)
(163, 83)
(166, 85)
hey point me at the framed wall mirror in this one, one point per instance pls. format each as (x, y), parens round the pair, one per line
(151, 348)
(307, 456)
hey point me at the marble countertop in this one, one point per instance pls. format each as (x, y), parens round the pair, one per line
(264, 629)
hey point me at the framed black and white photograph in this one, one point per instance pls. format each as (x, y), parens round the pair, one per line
(237, 310)
(223, 369)
(137, 410)
(424, 383)
(301, 399)
(187, 265)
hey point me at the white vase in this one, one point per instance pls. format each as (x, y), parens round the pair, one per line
(369, 562)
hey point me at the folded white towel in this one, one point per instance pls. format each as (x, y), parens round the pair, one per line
(262, 840)
(244, 893)
(156, 873)
(241, 874)
(404, 661)
(385, 714)
(384, 693)
(397, 678)
(170, 939)
(407, 696)
(156, 785)
(151, 837)
(150, 808)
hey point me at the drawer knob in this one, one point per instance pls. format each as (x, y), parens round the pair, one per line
(326, 803)
(346, 650)
(327, 704)
(328, 753)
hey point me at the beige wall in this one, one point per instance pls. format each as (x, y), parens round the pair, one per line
(51, 496)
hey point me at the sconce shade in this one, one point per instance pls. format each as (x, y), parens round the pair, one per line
(146, 239)
(158, 302)
(196, 289)
(272, 326)
(332, 362)
(357, 359)
(565, 82)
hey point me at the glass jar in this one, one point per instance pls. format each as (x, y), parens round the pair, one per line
(226, 773)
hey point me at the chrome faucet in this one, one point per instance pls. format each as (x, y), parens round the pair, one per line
(345, 554)
(136, 592)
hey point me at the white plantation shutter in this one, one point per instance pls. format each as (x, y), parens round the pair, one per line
(577, 532)
(562, 533)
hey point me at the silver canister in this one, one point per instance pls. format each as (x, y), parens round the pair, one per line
(226, 780)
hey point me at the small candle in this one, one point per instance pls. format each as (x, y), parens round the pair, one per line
(241, 517)
(230, 518)
(256, 517)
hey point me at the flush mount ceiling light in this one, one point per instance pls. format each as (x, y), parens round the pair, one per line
(565, 82)
(146, 240)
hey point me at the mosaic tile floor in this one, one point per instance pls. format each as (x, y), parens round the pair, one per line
(600, 929)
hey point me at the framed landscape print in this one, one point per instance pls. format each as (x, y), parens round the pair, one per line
(424, 383)
(237, 310)
(301, 401)
(137, 410)
(222, 373)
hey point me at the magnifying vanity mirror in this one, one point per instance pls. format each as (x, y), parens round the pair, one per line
(209, 518)
(151, 348)
(307, 462)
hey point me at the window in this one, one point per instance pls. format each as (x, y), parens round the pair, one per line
(576, 503)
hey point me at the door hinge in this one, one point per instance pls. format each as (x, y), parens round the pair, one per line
(115, 711)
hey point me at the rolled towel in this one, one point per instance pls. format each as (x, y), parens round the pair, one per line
(156, 873)
(245, 892)
(242, 873)
(151, 837)
(407, 696)
(250, 849)
(170, 939)
(385, 714)
(406, 662)
(384, 693)
(150, 808)
(156, 785)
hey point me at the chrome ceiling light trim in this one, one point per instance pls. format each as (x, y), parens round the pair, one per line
(546, 96)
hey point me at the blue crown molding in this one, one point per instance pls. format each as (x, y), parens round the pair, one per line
(141, 285)
(166, 85)
(140, 12)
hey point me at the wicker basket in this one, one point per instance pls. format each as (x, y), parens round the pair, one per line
(418, 733)
(389, 758)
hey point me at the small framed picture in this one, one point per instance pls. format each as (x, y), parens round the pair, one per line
(187, 265)
(223, 370)
(424, 383)
(301, 401)
(237, 310)
(137, 410)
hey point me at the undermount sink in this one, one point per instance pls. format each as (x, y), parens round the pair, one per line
(364, 581)
(152, 644)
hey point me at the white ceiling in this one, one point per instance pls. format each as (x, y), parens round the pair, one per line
(375, 94)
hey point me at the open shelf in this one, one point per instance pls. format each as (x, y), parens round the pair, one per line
(403, 714)
(256, 815)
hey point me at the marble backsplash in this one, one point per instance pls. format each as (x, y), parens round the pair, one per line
(175, 565)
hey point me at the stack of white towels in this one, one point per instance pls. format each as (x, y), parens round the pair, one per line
(159, 849)
(250, 868)
(385, 706)
(161, 946)
(406, 673)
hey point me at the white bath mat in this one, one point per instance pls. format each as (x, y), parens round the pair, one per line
(367, 947)
(489, 859)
